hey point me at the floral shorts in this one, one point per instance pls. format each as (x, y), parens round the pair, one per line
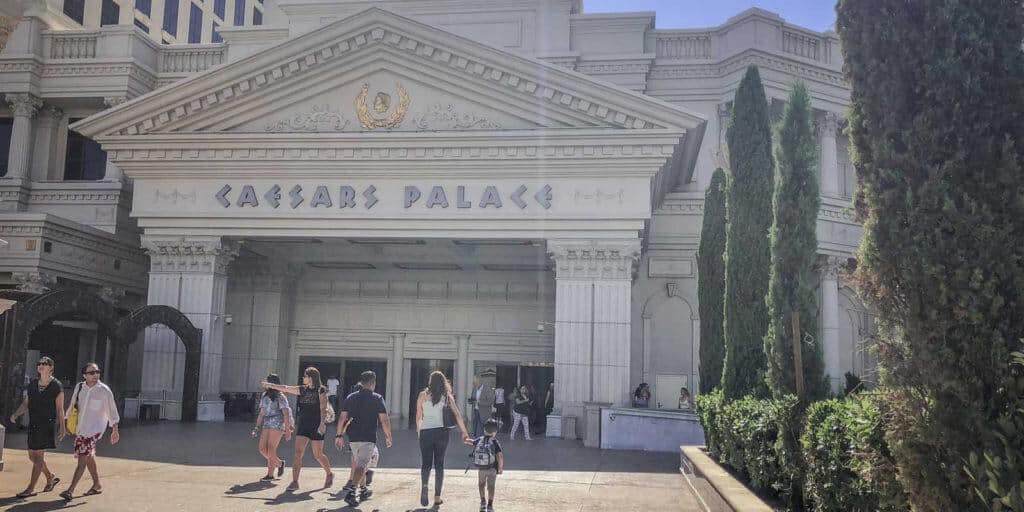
(85, 446)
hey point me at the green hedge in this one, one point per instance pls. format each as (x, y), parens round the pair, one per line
(840, 462)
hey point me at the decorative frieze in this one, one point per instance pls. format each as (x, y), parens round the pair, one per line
(744, 60)
(594, 259)
(321, 119)
(189, 255)
(113, 101)
(446, 117)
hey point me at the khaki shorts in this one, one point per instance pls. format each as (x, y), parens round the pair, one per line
(487, 476)
(365, 454)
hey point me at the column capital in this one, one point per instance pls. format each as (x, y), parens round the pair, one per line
(23, 105)
(832, 267)
(828, 123)
(594, 259)
(35, 282)
(50, 113)
(201, 255)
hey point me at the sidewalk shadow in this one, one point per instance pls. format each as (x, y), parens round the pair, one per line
(259, 485)
(41, 506)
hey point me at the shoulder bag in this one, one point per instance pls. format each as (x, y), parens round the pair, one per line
(448, 414)
(72, 419)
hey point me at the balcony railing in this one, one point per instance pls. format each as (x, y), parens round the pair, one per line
(77, 44)
(683, 45)
(191, 58)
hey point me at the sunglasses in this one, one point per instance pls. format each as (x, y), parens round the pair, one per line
(42, 363)
(93, 372)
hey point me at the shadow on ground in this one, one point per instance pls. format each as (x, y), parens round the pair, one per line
(229, 444)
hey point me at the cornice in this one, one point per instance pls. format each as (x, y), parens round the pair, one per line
(305, 55)
(671, 70)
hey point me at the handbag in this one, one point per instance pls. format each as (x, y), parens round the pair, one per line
(72, 420)
(448, 414)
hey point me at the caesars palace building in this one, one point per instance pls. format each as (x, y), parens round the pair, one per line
(506, 188)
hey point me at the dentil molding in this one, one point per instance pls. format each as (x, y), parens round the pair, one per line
(594, 259)
(189, 255)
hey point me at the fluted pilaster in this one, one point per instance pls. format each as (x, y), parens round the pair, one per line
(828, 128)
(24, 107)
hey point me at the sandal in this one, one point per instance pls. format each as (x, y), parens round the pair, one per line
(25, 494)
(66, 495)
(93, 491)
(51, 484)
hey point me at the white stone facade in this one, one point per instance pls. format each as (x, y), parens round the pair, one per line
(476, 182)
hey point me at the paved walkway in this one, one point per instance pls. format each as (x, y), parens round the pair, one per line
(213, 467)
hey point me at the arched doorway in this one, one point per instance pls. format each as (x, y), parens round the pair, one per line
(26, 312)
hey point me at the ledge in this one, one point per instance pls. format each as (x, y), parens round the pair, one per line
(721, 487)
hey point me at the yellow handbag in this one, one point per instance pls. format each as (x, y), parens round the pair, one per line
(72, 419)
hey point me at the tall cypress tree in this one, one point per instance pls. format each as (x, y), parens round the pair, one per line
(794, 247)
(711, 283)
(937, 124)
(749, 216)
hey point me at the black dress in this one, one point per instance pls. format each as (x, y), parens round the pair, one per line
(308, 417)
(42, 414)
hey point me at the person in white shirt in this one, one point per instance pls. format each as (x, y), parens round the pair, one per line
(96, 410)
(332, 392)
(500, 407)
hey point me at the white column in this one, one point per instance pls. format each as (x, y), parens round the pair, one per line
(592, 321)
(463, 375)
(19, 158)
(395, 376)
(830, 267)
(113, 172)
(45, 143)
(190, 274)
(828, 126)
(126, 16)
(91, 16)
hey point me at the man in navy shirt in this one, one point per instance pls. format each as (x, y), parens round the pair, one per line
(367, 410)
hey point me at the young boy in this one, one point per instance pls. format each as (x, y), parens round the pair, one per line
(489, 461)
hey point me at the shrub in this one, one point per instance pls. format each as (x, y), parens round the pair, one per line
(711, 283)
(794, 249)
(749, 216)
(937, 99)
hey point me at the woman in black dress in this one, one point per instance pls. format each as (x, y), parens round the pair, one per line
(310, 422)
(44, 402)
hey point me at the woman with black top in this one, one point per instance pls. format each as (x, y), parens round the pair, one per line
(310, 422)
(521, 412)
(44, 402)
(432, 432)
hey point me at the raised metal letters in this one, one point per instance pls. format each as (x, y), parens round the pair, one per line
(296, 196)
(346, 197)
(490, 197)
(517, 197)
(370, 198)
(220, 196)
(412, 194)
(321, 197)
(247, 197)
(436, 198)
(273, 196)
(544, 196)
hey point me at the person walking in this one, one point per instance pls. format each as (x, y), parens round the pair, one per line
(44, 403)
(501, 406)
(367, 410)
(489, 462)
(521, 412)
(310, 423)
(274, 420)
(332, 391)
(433, 433)
(96, 410)
(483, 401)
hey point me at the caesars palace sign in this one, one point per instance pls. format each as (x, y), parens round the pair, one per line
(345, 196)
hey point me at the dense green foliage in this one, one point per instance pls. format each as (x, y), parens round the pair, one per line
(937, 127)
(997, 473)
(839, 447)
(711, 283)
(841, 463)
(794, 248)
(749, 216)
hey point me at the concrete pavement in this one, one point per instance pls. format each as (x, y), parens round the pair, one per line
(216, 467)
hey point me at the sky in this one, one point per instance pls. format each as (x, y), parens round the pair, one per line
(817, 15)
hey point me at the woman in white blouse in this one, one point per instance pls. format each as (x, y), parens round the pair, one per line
(96, 410)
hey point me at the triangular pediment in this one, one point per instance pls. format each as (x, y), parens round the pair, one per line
(377, 71)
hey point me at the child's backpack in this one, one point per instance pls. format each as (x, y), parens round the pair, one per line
(483, 452)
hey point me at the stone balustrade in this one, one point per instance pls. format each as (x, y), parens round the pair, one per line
(683, 44)
(191, 58)
(70, 44)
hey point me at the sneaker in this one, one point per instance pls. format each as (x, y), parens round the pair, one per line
(483, 506)
(369, 477)
(490, 508)
(423, 496)
(365, 493)
(350, 496)
(294, 486)
(280, 469)
(268, 478)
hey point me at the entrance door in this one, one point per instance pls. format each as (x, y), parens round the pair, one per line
(327, 367)
(419, 377)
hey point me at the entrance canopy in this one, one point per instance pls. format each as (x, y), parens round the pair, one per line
(380, 126)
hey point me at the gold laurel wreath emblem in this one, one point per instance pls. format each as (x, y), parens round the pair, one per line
(369, 122)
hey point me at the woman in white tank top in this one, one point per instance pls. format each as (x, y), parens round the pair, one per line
(432, 432)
